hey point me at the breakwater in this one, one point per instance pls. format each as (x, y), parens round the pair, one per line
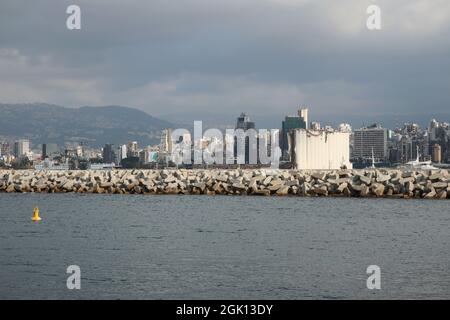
(265, 182)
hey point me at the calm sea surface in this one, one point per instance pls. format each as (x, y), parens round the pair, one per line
(223, 247)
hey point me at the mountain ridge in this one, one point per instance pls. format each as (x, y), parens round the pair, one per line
(94, 126)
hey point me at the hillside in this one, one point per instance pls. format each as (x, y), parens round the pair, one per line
(92, 125)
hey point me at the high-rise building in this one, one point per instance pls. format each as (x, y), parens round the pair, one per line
(132, 149)
(80, 151)
(437, 153)
(439, 133)
(44, 151)
(148, 155)
(243, 123)
(303, 114)
(21, 148)
(49, 149)
(370, 138)
(166, 141)
(290, 123)
(432, 128)
(121, 153)
(4, 149)
(108, 153)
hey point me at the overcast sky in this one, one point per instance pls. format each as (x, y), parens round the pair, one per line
(212, 59)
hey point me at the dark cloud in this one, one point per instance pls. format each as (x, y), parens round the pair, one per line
(211, 59)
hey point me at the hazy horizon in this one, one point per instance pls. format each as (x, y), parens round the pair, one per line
(220, 120)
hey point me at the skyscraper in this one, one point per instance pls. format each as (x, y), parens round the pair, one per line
(243, 123)
(21, 148)
(4, 149)
(368, 140)
(166, 141)
(44, 151)
(439, 133)
(108, 153)
(48, 149)
(121, 153)
(292, 122)
(437, 153)
(132, 149)
(80, 151)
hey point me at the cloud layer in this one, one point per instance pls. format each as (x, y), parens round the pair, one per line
(201, 58)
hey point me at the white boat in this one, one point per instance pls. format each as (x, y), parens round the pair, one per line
(420, 165)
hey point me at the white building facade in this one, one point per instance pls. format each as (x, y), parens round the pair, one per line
(320, 149)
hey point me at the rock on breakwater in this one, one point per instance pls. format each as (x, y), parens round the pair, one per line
(341, 183)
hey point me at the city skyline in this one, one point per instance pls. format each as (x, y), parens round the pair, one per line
(408, 144)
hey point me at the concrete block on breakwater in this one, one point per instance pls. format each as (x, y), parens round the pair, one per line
(340, 183)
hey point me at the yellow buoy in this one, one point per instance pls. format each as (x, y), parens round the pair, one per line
(36, 215)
